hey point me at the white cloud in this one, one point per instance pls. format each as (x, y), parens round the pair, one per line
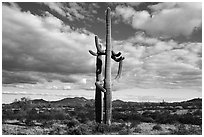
(67, 87)
(166, 19)
(44, 44)
(83, 81)
(44, 48)
(153, 63)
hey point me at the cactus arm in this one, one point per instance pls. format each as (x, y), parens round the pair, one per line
(98, 46)
(93, 53)
(119, 69)
(117, 59)
(116, 54)
(99, 86)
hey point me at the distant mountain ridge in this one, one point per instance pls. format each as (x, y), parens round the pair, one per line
(76, 101)
(81, 101)
(195, 100)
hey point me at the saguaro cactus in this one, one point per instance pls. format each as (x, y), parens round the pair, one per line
(107, 80)
(106, 85)
(99, 81)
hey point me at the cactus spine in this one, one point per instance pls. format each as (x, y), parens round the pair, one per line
(106, 85)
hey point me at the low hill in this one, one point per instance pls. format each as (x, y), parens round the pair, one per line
(195, 100)
(77, 101)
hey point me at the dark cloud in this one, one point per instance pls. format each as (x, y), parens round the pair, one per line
(74, 10)
(32, 77)
(12, 77)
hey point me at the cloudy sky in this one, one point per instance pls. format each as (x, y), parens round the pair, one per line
(45, 48)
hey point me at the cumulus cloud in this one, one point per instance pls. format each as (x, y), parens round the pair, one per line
(153, 63)
(165, 19)
(39, 49)
(44, 44)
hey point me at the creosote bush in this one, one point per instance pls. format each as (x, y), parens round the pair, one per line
(81, 129)
(72, 123)
(182, 129)
(157, 127)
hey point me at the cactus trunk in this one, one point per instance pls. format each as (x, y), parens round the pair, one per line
(107, 80)
(98, 94)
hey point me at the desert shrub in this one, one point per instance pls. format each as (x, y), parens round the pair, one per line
(197, 112)
(22, 114)
(125, 131)
(32, 114)
(101, 128)
(50, 115)
(81, 129)
(24, 104)
(72, 123)
(58, 115)
(192, 130)
(82, 118)
(104, 129)
(147, 119)
(55, 131)
(84, 114)
(165, 118)
(154, 115)
(44, 116)
(157, 127)
(29, 122)
(181, 129)
(119, 116)
(66, 121)
(135, 126)
(134, 123)
(137, 129)
(146, 113)
(190, 119)
(73, 131)
(116, 127)
(8, 114)
(47, 123)
(132, 116)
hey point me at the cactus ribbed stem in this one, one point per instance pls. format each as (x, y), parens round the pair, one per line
(98, 94)
(107, 80)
